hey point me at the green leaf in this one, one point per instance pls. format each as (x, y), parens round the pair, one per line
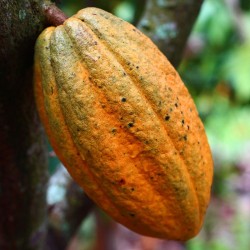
(228, 130)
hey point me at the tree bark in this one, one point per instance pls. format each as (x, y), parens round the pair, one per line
(168, 23)
(23, 159)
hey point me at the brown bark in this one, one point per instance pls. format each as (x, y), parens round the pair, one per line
(168, 23)
(54, 15)
(23, 163)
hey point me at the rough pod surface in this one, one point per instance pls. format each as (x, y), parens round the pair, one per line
(122, 122)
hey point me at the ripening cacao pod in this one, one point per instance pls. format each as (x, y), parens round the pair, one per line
(122, 122)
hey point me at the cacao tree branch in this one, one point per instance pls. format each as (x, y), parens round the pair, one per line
(54, 15)
(168, 23)
(23, 160)
(67, 214)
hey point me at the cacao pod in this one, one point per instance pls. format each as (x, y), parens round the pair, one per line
(122, 122)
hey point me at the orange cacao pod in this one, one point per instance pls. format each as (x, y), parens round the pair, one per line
(122, 122)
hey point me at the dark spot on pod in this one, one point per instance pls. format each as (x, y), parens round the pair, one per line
(123, 99)
(167, 117)
(176, 105)
(132, 214)
(132, 189)
(185, 137)
(182, 121)
(130, 124)
(121, 182)
(137, 67)
(188, 127)
(95, 43)
(124, 74)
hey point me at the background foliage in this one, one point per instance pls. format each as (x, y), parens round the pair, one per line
(216, 70)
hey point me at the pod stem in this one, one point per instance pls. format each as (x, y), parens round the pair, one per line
(54, 15)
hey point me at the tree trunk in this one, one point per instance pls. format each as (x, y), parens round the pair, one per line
(23, 159)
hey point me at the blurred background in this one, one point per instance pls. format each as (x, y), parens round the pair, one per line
(216, 70)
